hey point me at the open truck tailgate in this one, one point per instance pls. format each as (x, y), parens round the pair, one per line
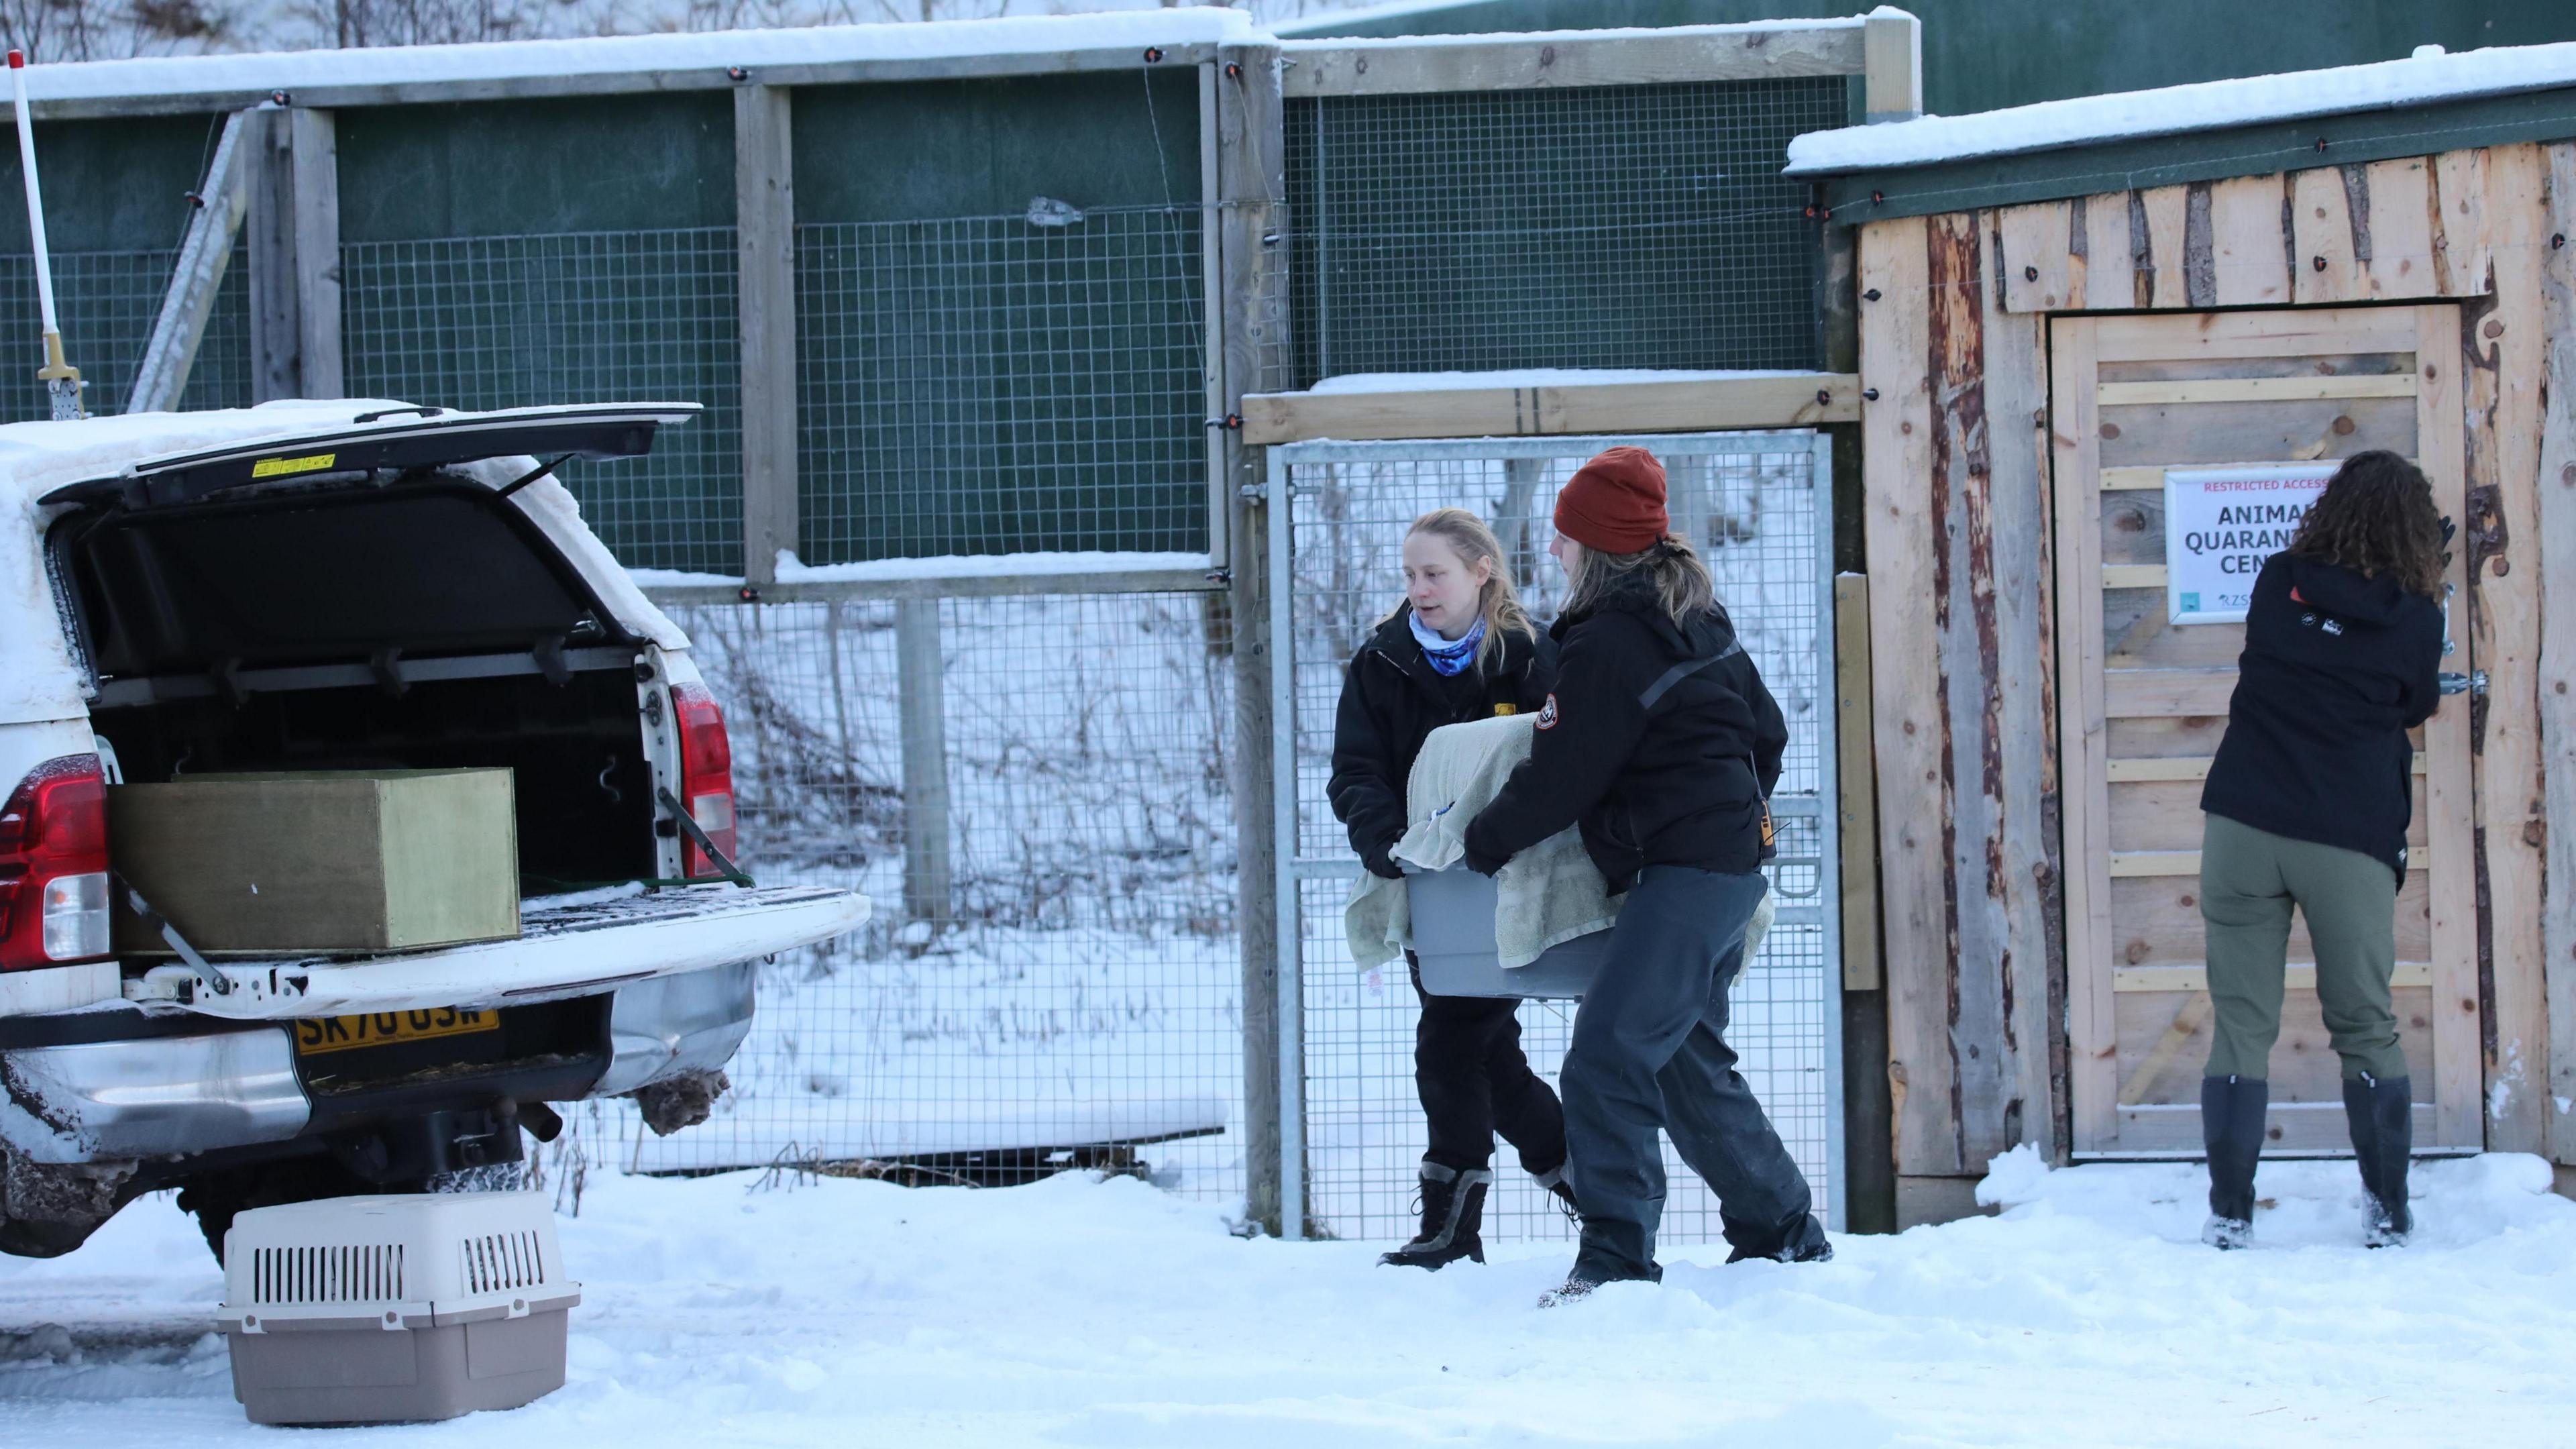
(570, 949)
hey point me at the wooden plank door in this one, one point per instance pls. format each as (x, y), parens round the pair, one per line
(2142, 704)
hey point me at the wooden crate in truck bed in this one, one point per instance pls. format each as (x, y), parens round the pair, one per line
(318, 861)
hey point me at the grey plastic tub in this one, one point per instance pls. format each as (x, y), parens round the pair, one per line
(366, 1374)
(1453, 938)
(366, 1310)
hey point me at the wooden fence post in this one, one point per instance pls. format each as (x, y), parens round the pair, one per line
(1252, 223)
(921, 698)
(1891, 66)
(765, 227)
(293, 187)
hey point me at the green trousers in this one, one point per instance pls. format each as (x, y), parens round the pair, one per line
(2249, 880)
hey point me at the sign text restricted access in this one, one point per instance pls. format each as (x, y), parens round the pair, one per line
(2221, 524)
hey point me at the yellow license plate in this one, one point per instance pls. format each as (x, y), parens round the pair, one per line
(316, 1035)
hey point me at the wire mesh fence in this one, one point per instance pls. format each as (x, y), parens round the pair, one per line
(1617, 227)
(1073, 992)
(1758, 507)
(107, 303)
(509, 321)
(1000, 385)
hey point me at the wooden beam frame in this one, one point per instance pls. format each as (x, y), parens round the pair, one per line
(1794, 400)
(921, 698)
(960, 586)
(1409, 65)
(640, 81)
(765, 229)
(1905, 693)
(1252, 190)
(313, 149)
(1891, 65)
(2556, 685)
(2504, 373)
(1858, 781)
(292, 182)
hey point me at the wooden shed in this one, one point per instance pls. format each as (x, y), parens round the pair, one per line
(2067, 313)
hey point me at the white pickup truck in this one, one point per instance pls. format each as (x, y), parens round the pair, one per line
(348, 585)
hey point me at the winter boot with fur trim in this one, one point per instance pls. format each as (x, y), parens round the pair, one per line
(2382, 1116)
(1453, 1210)
(2231, 1124)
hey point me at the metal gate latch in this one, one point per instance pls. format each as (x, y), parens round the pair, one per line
(2473, 682)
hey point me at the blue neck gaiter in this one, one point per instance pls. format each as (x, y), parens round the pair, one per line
(1446, 657)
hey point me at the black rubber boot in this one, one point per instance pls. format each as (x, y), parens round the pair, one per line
(2231, 1125)
(1453, 1210)
(1805, 1242)
(2382, 1116)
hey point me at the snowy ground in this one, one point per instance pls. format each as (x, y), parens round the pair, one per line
(1089, 1312)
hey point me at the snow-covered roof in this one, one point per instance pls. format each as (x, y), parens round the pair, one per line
(38, 680)
(233, 75)
(2176, 110)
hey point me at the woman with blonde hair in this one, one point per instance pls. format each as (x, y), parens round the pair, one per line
(1662, 743)
(1458, 648)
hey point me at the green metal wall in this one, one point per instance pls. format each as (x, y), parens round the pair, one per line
(597, 163)
(1982, 55)
(969, 382)
(1612, 226)
(560, 251)
(972, 381)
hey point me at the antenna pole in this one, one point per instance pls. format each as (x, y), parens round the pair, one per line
(62, 380)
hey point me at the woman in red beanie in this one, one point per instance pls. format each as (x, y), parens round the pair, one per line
(1662, 743)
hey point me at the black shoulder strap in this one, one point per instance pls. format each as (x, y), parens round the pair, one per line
(1684, 670)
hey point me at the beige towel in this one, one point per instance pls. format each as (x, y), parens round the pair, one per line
(1548, 893)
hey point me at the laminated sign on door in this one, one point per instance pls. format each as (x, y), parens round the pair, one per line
(2222, 523)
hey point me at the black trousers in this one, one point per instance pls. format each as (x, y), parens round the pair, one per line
(1650, 1053)
(1474, 1082)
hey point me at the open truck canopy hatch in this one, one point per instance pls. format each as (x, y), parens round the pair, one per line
(424, 438)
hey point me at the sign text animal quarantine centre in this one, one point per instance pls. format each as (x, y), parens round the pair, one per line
(2221, 524)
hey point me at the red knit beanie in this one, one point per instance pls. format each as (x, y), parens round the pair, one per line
(1615, 503)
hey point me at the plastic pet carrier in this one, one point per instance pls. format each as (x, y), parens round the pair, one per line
(1453, 938)
(374, 1309)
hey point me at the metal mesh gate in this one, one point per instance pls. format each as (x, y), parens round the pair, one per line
(1758, 506)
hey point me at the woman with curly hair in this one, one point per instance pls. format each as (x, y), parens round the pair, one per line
(2307, 806)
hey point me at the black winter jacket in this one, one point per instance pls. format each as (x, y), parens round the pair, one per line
(2337, 667)
(1680, 782)
(1392, 699)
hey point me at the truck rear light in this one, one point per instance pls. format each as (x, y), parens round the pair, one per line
(706, 777)
(53, 866)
